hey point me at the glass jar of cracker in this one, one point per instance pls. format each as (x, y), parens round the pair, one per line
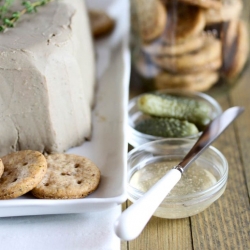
(188, 44)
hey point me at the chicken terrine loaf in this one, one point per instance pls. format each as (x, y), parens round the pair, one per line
(47, 79)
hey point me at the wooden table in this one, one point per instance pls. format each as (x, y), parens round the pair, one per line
(226, 223)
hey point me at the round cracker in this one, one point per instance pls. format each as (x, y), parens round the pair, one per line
(196, 81)
(148, 19)
(237, 55)
(213, 65)
(1, 167)
(68, 177)
(215, 4)
(180, 80)
(183, 22)
(189, 45)
(143, 17)
(231, 9)
(101, 23)
(206, 84)
(159, 27)
(23, 170)
(194, 61)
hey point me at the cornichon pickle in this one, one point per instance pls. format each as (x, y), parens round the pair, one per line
(163, 105)
(166, 127)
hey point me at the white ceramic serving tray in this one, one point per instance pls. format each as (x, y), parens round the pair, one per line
(108, 145)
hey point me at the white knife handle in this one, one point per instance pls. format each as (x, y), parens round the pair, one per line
(133, 220)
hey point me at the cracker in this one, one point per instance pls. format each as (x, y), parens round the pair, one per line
(231, 9)
(161, 49)
(215, 4)
(194, 61)
(23, 170)
(157, 29)
(68, 177)
(213, 65)
(206, 84)
(183, 22)
(200, 81)
(148, 19)
(1, 167)
(236, 56)
(143, 18)
(101, 23)
(160, 23)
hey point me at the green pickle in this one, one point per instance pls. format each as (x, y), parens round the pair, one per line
(166, 127)
(162, 105)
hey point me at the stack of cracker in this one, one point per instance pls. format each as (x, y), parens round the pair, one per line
(202, 40)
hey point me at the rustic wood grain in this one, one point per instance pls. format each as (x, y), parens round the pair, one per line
(225, 225)
(241, 96)
(162, 234)
(124, 244)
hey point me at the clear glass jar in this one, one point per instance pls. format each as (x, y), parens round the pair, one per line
(188, 44)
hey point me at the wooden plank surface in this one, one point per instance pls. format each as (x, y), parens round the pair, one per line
(225, 225)
(241, 96)
(164, 234)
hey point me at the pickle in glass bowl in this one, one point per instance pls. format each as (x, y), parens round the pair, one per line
(184, 116)
(167, 127)
(164, 105)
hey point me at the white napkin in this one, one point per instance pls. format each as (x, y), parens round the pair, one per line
(88, 231)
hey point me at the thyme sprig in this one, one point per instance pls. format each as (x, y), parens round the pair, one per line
(29, 7)
(5, 7)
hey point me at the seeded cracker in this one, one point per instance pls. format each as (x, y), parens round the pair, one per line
(148, 19)
(210, 51)
(68, 177)
(162, 49)
(199, 81)
(23, 170)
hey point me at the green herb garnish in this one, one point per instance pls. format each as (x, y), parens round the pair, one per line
(29, 7)
(4, 8)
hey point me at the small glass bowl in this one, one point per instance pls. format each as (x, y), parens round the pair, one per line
(136, 138)
(211, 161)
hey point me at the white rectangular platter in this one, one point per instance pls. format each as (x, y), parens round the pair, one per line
(108, 145)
